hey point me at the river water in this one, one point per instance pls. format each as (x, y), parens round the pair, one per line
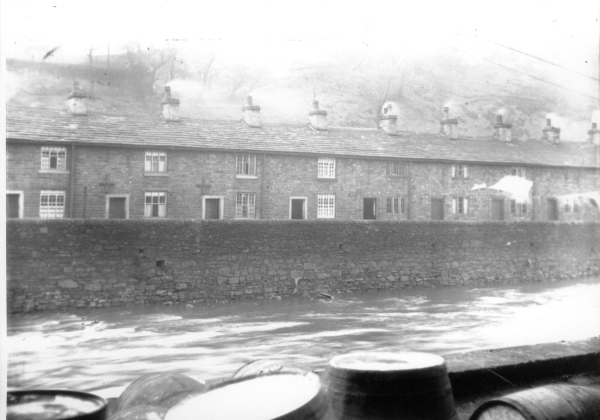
(102, 348)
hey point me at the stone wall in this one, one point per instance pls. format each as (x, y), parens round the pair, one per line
(65, 264)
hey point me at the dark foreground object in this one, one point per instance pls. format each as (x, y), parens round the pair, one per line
(551, 402)
(386, 386)
(54, 405)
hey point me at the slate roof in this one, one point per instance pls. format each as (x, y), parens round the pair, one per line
(51, 125)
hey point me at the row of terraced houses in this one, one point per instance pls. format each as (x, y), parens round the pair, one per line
(76, 164)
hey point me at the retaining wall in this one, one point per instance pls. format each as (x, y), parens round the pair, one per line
(76, 263)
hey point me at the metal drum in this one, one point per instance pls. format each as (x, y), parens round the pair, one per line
(281, 396)
(48, 404)
(382, 386)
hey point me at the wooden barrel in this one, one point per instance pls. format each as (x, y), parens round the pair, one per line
(48, 404)
(382, 386)
(266, 367)
(281, 396)
(551, 402)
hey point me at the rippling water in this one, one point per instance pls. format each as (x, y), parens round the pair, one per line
(103, 348)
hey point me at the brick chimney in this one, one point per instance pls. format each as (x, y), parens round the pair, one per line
(594, 134)
(251, 113)
(551, 134)
(76, 101)
(170, 106)
(388, 123)
(318, 118)
(502, 130)
(449, 126)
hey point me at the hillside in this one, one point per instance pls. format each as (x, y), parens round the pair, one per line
(351, 88)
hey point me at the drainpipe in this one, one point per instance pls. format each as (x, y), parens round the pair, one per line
(72, 190)
(84, 202)
(408, 201)
(262, 188)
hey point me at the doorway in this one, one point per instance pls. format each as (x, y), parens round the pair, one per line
(552, 209)
(212, 207)
(369, 208)
(13, 206)
(117, 207)
(497, 209)
(437, 209)
(298, 208)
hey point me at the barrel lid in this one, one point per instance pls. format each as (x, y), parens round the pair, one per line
(386, 361)
(274, 396)
(55, 404)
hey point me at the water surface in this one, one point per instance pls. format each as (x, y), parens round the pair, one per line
(92, 349)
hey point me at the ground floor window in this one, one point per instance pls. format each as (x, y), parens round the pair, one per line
(518, 208)
(245, 207)
(156, 204)
(326, 206)
(396, 205)
(460, 205)
(52, 204)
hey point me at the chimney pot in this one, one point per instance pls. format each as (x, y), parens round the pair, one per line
(170, 106)
(551, 134)
(499, 119)
(594, 134)
(318, 117)
(548, 122)
(76, 101)
(594, 126)
(449, 126)
(389, 124)
(251, 113)
(502, 130)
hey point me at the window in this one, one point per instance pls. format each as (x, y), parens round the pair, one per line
(519, 171)
(518, 208)
(245, 206)
(398, 169)
(459, 205)
(52, 204)
(326, 168)
(395, 205)
(575, 208)
(326, 206)
(569, 175)
(567, 208)
(54, 158)
(245, 165)
(156, 204)
(460, 171)
(156, 162)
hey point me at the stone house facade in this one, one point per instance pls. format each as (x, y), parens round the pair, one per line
(76, 164)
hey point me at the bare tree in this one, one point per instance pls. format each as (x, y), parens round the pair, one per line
(243, 77)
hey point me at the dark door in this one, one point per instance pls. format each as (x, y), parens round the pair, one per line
(297, 208)
(369, 208)
(497, 209)
(212, 208)
(552, 209)
(12, 206)
(116, 208)
(437, 209)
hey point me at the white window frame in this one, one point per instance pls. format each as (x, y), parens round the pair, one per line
(149, 208)
(239, 205)
(61, 165)
(519, 171)
(457, 169)
(517, 208)
(569, 174)
(56, 211)
(304, 206)
(221, 204)
(399, 168)
(398, 205)
(149, 168)
(326, 206)
(126, 196)
(456, 201)
(326, 168)
(245, 166)
(21, 195)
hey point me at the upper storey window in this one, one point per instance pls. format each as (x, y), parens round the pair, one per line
(398, 168)
(326, 168)
(460, 171)
(54, 159)
(156, 162)
(245, 165)
(519, 171)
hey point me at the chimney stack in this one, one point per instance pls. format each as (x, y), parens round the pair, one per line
(594, 134)
(318, 118)
(76, 101)
(251, 113)
(502, 131)
(388, 124)
(551, 134)
(449, 126)
(170, 106)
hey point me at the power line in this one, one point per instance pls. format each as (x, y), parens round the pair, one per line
(524, 74)
(537, 58)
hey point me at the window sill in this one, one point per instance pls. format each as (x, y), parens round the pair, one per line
(246, 177)
(327, 179)
(460, 178)
(53, 171)
(156, 174)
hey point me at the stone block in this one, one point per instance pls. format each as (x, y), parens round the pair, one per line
(68, 284)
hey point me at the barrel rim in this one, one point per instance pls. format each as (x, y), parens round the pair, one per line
(95, 414)
(438, 361)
